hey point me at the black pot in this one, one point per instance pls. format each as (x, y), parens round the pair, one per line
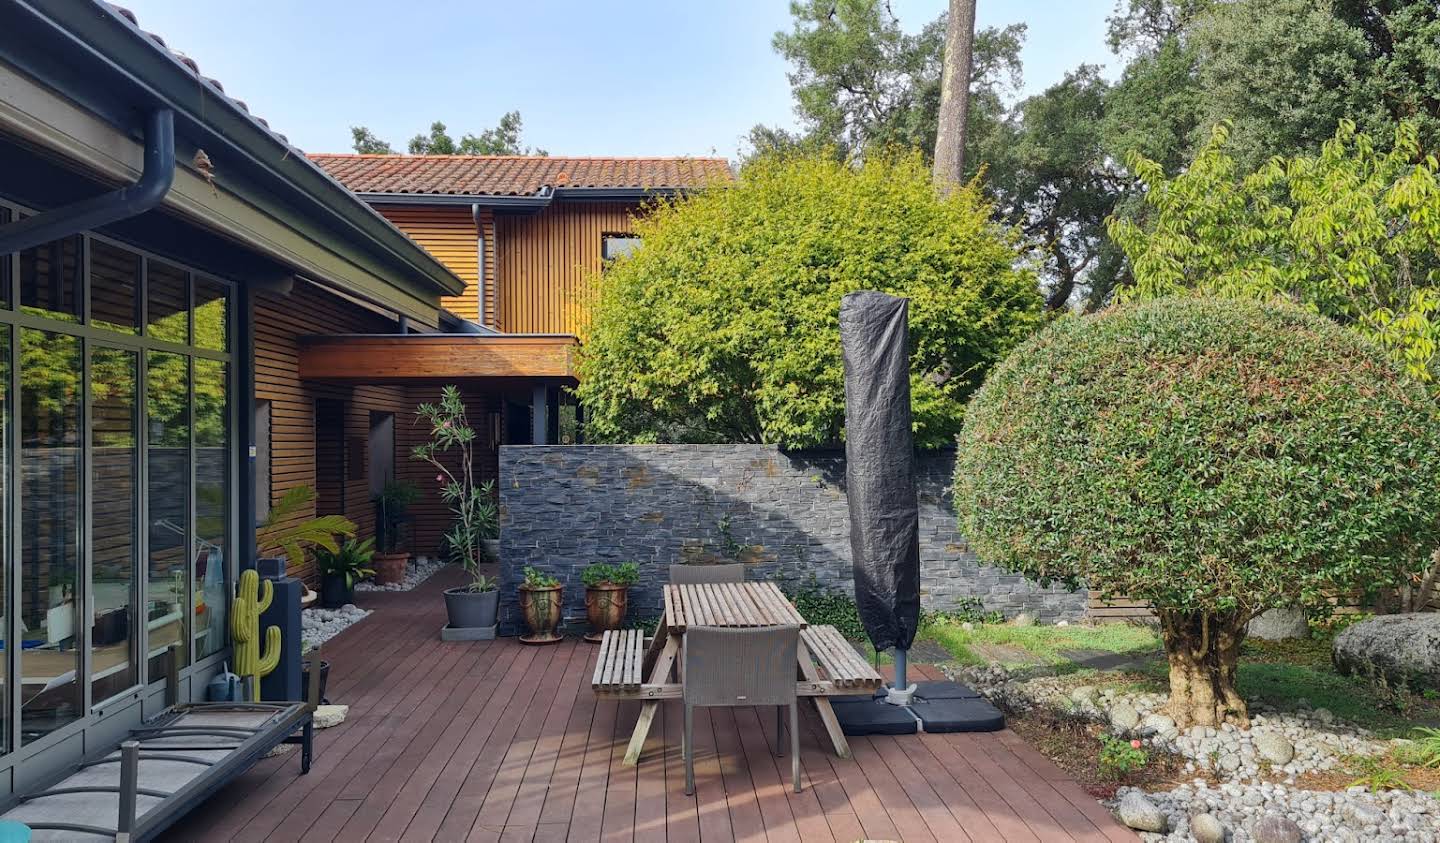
(471, 609)
(305, 678)
(334, 592)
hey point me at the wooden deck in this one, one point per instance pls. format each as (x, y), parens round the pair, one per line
(495, 740)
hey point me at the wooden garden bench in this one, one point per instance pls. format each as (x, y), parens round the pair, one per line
(846, 670)
(619, 664)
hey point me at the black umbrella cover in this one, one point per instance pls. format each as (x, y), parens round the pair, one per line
(880, 466)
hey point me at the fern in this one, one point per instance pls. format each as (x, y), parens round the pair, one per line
(280, 533)
(1425, 750)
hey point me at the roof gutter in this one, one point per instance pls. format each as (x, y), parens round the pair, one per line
(129, 201)
(536, 202)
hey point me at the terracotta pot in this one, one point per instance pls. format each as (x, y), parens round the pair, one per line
(605, 608)
(390, 567)
(541, 610)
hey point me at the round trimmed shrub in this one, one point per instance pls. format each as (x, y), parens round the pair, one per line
(1215, 458)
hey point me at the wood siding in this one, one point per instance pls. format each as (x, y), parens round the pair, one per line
(544, 260)
(447, 232)
(437, 356)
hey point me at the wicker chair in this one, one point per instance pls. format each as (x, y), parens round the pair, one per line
(694, 574)
(741, 667)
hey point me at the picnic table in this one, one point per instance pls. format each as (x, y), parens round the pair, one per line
(631, 666)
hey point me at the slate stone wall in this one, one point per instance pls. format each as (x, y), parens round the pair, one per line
(782, 512)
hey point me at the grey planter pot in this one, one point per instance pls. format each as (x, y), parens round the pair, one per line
(469, 610)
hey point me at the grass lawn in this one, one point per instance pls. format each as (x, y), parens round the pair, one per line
(1278, 673)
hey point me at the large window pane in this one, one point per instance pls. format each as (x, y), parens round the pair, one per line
(212, 510)
(114, 520)
(6, 263)
(50, 530)
(167, 403)
(5, 457)
(50, 279)
(167, 304)
(114, 287)
(211, 309)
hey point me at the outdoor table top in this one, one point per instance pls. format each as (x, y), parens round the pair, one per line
(733, 604)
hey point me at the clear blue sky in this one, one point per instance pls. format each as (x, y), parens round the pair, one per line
(590, 77)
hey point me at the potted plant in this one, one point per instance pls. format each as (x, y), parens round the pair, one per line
(390, 505)
(340, 570)
(607, 592)
(474, 516)
(285, 536)
(540, 606)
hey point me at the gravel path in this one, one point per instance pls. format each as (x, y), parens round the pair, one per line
(320, 625)
(419, 570)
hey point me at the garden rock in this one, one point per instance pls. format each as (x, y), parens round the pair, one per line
(330, 715)
(1279, 625)
(1207, 829)
(1139, 813)
(419, 570)
(1403, 649)
(1023, 619)
(1124, 717)
(1274, 828)
(320, 625)
(1274, 747)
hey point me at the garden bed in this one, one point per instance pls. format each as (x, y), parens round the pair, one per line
(418, 571)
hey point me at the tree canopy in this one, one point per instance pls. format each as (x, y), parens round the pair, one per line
(724, 327)
(1215, 458)
(503, 139)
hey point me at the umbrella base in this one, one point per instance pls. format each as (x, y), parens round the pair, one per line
(938, 707)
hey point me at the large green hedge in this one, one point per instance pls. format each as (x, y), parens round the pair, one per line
(724, 326)
(1204, 455)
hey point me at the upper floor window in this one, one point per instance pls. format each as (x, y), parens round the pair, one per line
(618, 245)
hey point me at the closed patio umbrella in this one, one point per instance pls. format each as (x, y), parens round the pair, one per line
(880, 474)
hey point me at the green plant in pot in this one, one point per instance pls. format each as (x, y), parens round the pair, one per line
(474, 515)
(607, 594)
(341, 569)
(394, 499)
(286, 534)
(540, 605)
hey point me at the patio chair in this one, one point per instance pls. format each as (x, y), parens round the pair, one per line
(696, 574)
(741, 667)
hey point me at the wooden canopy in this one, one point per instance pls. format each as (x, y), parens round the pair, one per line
(392, 357)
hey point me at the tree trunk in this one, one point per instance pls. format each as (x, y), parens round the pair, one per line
(1203, 650)
(954, 95)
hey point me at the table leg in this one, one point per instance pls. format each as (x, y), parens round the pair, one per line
(809, 672)
(648, 709)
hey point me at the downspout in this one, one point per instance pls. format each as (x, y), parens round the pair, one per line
(129, 201)
(479, 262)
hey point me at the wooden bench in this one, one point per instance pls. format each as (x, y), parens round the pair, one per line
(619, 664)
(846, 670)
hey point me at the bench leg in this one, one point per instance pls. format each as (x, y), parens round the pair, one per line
(832, 726)
(307, 744)
(658, 676)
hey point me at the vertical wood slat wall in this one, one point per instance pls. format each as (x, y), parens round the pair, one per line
(448, 233)
(545, 258)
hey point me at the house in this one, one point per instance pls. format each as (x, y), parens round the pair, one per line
(196, 318)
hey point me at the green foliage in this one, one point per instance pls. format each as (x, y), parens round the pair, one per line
(967, 610)
(1424, 749)
(286, 531)
(821, 606)
(483, 583)
(475, 516)
(503, 139)
(394, 499)
(364, 142)
(535, 578)
(351, 560)
(1118, 758)
(1353, 233)
(1218, 457)
(1377, 775)
(724, 327)
(604, 573)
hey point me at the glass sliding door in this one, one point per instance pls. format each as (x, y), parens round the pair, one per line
(212, 510)
(114, 520)
(167, 402)
(50, 531)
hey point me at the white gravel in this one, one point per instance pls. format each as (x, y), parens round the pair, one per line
(320, 625)
(419, 570)
(1355, 815)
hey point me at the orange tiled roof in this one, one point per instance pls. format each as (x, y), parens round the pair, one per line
(515, 175)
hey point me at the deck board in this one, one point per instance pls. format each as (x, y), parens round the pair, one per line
(499, 741)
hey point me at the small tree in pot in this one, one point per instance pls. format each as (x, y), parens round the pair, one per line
(472, 506)
(540, 604)
(390, 505)
(607, 593)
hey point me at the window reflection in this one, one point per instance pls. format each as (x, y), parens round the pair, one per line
(167, 303)
(50, 452)
(50, 276)
(212, 512)
(167, 402)
(114, 288)
(114, 451)
(211, 309)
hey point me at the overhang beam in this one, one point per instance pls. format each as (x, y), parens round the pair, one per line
(377, 358)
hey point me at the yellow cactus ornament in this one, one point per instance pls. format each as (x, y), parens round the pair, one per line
(253, 599)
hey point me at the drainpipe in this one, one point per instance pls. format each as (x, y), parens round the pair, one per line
(129, 201)
(480, 261)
